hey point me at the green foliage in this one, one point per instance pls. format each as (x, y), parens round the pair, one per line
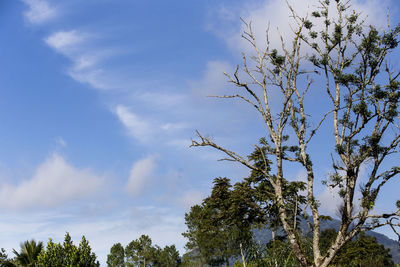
(67, 254)
(4, 260)
(225, 219)
(364, 251)
(116, 258)
(189, 259)
(140, 251)
(169, 257)
(264, 201)
(29, 253)
(279, 253)
(223, 222)
(327, 238)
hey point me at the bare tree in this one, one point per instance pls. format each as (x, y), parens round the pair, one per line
(348, 59)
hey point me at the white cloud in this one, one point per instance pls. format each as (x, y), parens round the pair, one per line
(86, 59)
(141, 175)
(93, 77)
(191, 198)
(330, 201)
(147, 129)
(60, 142)
(137, 127)
(173, 127)
(54, 182)
(64, 41)
(276, 14)
(213, 81)
(39, 11)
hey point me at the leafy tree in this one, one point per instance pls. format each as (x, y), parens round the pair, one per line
(67, 254)
(29, 253)
(116, 258)
(203, 239)
(169, 257)
(362, 95)
(4, 260)
(327, 238)
(264, 195)
(191, 259)
(140, 252)
(220, 228)
(363, 251)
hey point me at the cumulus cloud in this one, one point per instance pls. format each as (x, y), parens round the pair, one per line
(39, 11)
(54, 182)
(141, 175)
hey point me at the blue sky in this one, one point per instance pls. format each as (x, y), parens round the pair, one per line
(99, 100)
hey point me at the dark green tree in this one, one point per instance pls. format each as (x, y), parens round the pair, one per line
(364, 251)
(327, 238)
(116, 258)
(191, 259)
(204, 240)
(220, 228)
(169, 257)
(29, 253)
(67, 254)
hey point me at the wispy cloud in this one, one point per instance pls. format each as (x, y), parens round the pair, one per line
(141, 175)
(138, 128)
(87, 59)
(276, 14)
(213, 82)
(60, 142)
(54, 182)
(39, 11)
(65, 41)
(173, 127)
(145, 129)
(191, 198)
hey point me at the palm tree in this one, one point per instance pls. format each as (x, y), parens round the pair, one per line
(30, 250)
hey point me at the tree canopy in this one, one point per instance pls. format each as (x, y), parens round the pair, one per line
(68, 254)
(29, 253)
(141, 252)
